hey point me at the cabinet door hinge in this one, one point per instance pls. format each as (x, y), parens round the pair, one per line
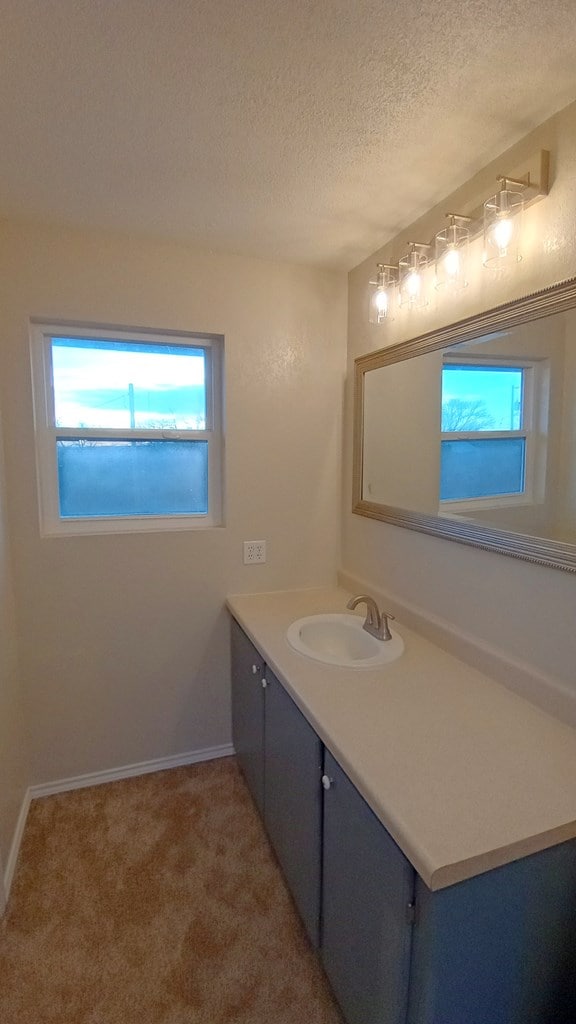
(411, 912)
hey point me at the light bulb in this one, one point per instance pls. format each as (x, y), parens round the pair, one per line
(502, 233)
(503, 226)
(413, 284)
(381, 302)
(381, 294)
(452, 262)
(451, 252)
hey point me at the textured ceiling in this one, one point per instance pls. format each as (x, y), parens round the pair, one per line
(308, 130)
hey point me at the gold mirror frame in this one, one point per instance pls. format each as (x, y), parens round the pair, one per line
(556, 554)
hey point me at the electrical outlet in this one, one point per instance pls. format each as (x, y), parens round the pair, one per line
(254, 551)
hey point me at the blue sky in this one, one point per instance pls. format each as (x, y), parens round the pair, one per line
(107, 383)
(498, 388)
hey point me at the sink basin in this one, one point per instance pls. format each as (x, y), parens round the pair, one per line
(339, 639)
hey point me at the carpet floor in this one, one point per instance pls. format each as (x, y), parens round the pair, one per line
(155, 900)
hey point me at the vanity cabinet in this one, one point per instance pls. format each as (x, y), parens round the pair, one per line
(248, 712)
(293, 799)
(367, 907)
(280, 756)
(497, 948)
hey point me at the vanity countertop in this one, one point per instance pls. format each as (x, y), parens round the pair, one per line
(465, 774)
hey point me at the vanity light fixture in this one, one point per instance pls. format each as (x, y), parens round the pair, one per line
(499, 217)
(381, 293)
(503, 223)
(451, 253)
(412, 291)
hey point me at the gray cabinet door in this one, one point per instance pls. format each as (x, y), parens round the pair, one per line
(293, 800)
(499, 947)
(248, 712)
(367, 886)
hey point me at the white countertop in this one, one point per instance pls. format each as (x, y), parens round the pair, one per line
(464, 774)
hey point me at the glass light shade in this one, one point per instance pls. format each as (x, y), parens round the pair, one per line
(381, 295)
(451, 256)
(502, 228)
(412, 286)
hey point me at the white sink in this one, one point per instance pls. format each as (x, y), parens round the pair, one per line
(339, 639)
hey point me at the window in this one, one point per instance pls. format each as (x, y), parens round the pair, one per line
(128, 429)
(487, 437)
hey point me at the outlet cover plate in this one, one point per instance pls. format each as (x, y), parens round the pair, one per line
(254, 551)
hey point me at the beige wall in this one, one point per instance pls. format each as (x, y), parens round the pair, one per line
(124, 638)
(14, 761)
(403, 468)
(524, 610)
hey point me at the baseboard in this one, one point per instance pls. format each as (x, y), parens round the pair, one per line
(548, 693)
(15, 847)
(130, 770)
(97, 779)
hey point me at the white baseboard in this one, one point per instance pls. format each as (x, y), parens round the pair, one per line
(15, 847)
(96, 779)
(130, 770)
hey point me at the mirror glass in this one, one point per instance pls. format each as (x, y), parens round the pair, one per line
(475, 439)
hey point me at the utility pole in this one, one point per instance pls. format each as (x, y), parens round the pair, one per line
(131, 406)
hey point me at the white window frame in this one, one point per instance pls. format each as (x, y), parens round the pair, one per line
(532, 387)
(47, 433)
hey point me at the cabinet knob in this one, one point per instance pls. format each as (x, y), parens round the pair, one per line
(254, 670)
(264, 682)
(326, 781)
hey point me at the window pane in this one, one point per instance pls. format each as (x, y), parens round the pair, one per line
(481, 398)
(481, 469)
(121, 384)
(128, 478)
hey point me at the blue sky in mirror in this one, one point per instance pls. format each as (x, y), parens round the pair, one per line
(481, 398)
(122, 384)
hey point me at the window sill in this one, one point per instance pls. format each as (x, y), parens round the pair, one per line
(127, 524)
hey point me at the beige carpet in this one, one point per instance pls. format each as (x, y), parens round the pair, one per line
(155, 900)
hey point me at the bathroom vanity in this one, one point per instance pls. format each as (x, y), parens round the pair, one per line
(424, 818)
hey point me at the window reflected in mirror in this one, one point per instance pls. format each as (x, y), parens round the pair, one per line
(485, 431)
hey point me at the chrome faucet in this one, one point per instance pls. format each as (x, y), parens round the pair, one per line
(376, 622)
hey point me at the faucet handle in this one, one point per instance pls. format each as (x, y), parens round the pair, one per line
(385, 618)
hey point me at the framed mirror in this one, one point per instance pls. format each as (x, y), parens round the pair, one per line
(469, 432)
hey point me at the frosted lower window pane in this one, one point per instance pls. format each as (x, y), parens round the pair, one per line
(481, 469)
(132, 478)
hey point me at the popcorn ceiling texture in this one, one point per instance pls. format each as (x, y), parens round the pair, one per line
(307, 132)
